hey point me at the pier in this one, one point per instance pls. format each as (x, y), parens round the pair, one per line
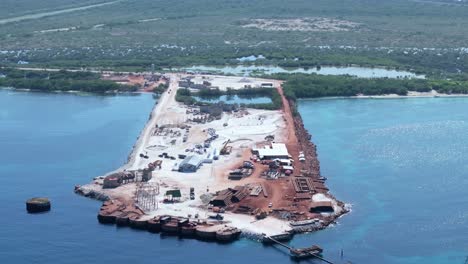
(301, 253)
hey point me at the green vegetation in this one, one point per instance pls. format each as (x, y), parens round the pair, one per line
(59, 81)
(133, 34)
(312, 86)
(187, 97)
(51, 75)
(161, 88)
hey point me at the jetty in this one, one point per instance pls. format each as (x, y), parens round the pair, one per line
(313, 251)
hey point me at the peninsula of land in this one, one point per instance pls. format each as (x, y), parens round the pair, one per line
(217, 171)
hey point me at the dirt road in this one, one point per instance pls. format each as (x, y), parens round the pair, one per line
(166, 99)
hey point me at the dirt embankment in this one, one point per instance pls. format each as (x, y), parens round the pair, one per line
(298, 139)
(311, 166)
(301, 141)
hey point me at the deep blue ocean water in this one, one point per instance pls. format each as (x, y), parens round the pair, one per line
(401, 163)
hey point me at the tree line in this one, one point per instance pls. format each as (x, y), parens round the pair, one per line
(313, 85)
(60, 81)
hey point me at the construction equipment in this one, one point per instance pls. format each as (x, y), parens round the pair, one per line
(192, 193)
(226, 150)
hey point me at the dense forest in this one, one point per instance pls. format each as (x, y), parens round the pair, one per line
(59, 81)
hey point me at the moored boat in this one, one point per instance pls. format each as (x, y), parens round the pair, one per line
(206, 232)
(154, 225)
(188, 230)
(122, 219)
(106, 218)
(171, 227)
(227, 234)
(136, 222)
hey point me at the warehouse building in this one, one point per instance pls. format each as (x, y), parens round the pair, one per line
(191, 163)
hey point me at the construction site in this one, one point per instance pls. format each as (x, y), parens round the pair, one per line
(248, 171)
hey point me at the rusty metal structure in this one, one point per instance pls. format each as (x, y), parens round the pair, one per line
(146, 196)
(304, 185)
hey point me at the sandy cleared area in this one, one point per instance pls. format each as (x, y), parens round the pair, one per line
(311, 24)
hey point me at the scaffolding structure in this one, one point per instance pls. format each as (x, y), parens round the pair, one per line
(146, 196)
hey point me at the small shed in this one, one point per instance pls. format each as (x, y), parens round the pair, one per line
(173, 195)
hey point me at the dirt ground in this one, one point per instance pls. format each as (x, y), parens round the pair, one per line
(281, 192)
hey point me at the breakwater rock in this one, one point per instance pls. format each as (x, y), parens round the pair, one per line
(88, 192)
(38, 205)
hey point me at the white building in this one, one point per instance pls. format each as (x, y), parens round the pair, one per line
(274, 151)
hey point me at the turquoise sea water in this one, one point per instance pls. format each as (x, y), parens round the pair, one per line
(401, 163)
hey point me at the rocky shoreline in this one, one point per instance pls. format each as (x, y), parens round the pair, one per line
(313, 165)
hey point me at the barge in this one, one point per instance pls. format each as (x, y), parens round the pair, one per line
(227, 234)
(309, 252)
(153, 225)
